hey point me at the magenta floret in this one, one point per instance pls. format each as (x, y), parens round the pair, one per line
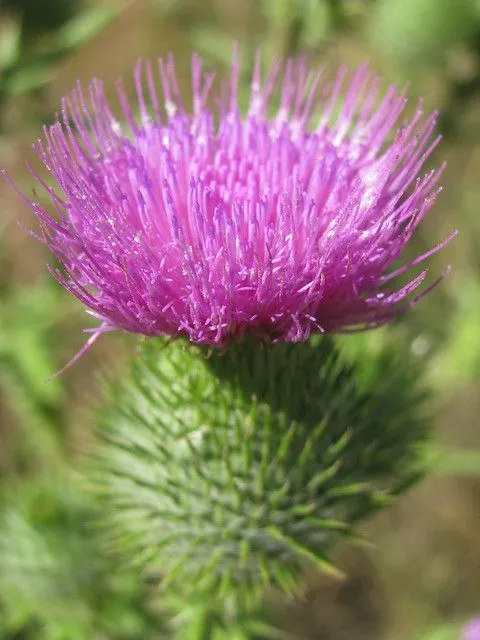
(212, 224)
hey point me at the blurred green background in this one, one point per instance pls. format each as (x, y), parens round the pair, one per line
(422, 579)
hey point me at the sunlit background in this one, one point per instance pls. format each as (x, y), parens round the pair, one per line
(422, 579)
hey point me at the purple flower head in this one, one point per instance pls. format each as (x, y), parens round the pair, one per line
(212, 224)
(472, 630)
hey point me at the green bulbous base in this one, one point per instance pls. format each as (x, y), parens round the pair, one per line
(227, 472)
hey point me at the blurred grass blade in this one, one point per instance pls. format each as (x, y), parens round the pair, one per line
(84, 26)
(29, 77)
(33, 71)
(445, 461)
(10, 42)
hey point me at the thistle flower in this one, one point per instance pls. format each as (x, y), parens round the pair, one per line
(211, 224)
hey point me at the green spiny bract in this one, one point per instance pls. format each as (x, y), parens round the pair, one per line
(226, 473)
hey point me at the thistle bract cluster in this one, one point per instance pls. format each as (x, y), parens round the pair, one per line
(231, 472)
(211, 224)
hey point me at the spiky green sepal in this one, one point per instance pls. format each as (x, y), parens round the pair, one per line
(226, 473)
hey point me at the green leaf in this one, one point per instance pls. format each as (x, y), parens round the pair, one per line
(10, 41)
(317, 22)
(445, 461)
(55, 578)
(420, 30)
(29, 76)
(458, 361)
(32, 72)
(85, 26)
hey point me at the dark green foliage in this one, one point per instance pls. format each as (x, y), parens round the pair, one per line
(41, 15)
(227, 473)
(36, 37)
(410, 30)
(28, 337)
(55, 582)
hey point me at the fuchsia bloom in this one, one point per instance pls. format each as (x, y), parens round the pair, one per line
(211, 224)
